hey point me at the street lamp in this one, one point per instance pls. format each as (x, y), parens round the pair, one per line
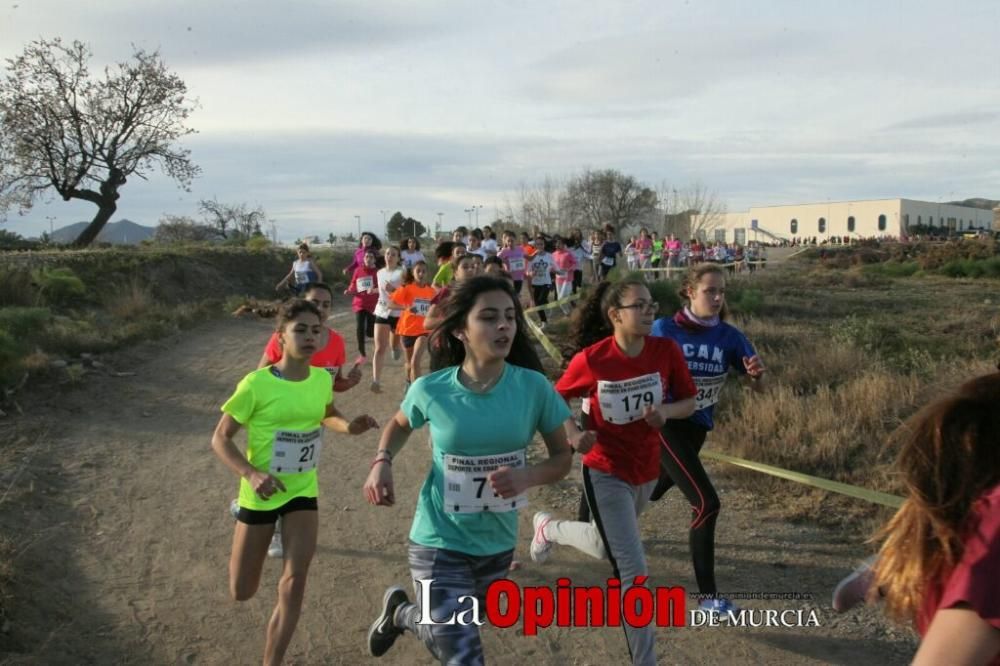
(469, 212)
(476, 208)
(437, 230)
(385, 225)
(358, 218)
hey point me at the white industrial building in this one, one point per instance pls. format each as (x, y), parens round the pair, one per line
(878, 218)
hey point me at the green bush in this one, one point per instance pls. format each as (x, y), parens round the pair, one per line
(59, 286)
(866, 334)
(22, 322)
(744, 300)
(11, 352)
(258, 243)
(16, 287)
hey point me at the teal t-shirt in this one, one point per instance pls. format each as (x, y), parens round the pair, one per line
(473, 433)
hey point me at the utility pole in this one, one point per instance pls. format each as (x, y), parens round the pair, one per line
(358, 218)
(385, 226)
(437, 227)
(476, 208)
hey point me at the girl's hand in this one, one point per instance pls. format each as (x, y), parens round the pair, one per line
(508, 482)
(264, 485)
(378, 488)
(361, 424)
(653, 417)
(583, 441)
(754, 366)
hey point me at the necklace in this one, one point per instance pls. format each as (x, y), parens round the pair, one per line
(481, 386)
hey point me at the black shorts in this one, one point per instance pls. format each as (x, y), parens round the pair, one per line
(388, 321)
(253, 517)
(410, 340)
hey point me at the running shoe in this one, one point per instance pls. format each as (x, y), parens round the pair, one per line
(383, 632)
(853, 589)
(376, 387)
(395, 353)
(406, 387)
(276, 549)
(720, 605)
(234, 508)
(541, 547)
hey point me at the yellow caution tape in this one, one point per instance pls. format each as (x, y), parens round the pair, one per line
(872, 496)
(857, 492)
(553, 304)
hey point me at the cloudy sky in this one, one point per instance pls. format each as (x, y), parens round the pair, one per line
(323, 110)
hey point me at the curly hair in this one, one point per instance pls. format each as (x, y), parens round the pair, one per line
(589, 322)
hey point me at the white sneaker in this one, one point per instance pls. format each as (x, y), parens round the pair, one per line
(275, 549)
(234, 508)
(541, 547)
(853, 589)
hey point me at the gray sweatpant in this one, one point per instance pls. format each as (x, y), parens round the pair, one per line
(613, 533)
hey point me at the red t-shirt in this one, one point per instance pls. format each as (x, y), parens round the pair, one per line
(619, 388)
(331, 357)
(975, 580)
(363, 280)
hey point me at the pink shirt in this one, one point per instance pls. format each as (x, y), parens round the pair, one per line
(566, 263)
(514, 261)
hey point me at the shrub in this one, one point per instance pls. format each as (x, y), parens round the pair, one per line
(16, 287)
(22, 322)
(258, 243)
(11, 351)
(59, 286)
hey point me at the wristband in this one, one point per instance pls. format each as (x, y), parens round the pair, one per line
(380, 460)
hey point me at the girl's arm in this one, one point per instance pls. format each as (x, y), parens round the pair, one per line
(378, 488)
(958, 636)
(319, 273)
(285, 279)
(263, 484)
(508, 482)
(336, 421)
(434, 317)
(264, 361)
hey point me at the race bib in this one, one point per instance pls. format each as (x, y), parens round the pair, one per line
(365, 283)
(295, 451)
(301, 277)
(624, 401)
(420, 306)
(467, 488)
(709, 389)
(608, 261)
(516, 265)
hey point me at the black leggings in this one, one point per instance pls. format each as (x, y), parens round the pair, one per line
(366, 328)
(577, 280)
(681, 441)
(541, 293)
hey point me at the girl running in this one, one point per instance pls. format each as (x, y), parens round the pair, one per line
(386, 315)
(540, 269)
(283, 407)
(411, 252)
(644, 249)
(628, 378)
(331, 356)
(564, 260)
(484, 408)
(415, 296)
(467, 267)
(368, 243)
(514, 260)
(304, 272)
(711, 347)
(365, 290)
(610, 251)
(939, 562)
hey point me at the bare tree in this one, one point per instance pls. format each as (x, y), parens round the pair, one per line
(535, 207)
(232, 218)
(691, 211)
(180, 228)
(596, 198)
(81, 136)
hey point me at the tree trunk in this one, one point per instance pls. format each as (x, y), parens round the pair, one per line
(104, 212)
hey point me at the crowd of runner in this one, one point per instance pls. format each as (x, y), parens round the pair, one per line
(648, 387)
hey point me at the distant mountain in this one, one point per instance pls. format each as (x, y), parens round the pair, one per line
(985, 204)
(122, 232)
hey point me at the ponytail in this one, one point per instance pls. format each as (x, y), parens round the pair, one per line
(589, 322)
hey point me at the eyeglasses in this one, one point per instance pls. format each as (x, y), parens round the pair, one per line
(642, 306)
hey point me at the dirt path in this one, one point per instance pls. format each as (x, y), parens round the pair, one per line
(122, 536)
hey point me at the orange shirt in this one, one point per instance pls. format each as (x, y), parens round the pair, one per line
(529, 249)
(416, 300)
